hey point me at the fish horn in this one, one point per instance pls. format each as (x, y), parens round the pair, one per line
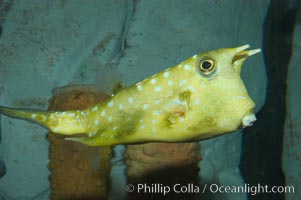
(240, 54)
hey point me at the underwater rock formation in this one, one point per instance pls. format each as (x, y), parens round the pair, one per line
(163, 163)
(77, 171)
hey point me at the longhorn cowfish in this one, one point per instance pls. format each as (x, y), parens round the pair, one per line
(199, 98)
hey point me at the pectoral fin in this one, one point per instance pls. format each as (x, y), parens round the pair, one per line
(178, 108)
(185, 99)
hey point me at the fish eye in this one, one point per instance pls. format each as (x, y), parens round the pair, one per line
(206, 66)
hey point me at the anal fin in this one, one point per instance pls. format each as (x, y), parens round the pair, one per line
(83, 140)
(93, 141)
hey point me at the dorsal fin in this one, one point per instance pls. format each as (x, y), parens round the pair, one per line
(109, 80)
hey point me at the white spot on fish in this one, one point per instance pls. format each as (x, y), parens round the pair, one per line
(96, 122)
(157, 89)
(153, 81)
(44, 118)
(55, 130)
(177, 101)
(71, 114)
(182, 82)
(157, 101)
(197, 102)
(187, 67)
(139, 87)
(130, 100)
(110, 118)
(170, 82)
(120, 106)
(34, 116)
(141, 120)
(154, 121)
(180, 66)
(95, 108)
(182, 120)
(114, 128)
(154, 129)
(241, 97)
(145, 106)
(110, 104)
(91, 134)
(191, 88)
(194, 57)
(166, 74)
(103, 113)
(142, 127)
(159, 112)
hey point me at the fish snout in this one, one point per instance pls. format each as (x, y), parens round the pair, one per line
(248, 119)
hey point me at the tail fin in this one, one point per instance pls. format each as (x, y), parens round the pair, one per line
(33, 116)
(67, 123)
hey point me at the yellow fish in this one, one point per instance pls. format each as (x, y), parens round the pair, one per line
(200, 98)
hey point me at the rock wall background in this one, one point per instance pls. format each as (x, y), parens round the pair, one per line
(291, 160)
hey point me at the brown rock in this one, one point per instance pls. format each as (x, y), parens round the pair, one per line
(77, 171)
(162, 163)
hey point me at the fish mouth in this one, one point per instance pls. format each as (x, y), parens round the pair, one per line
(248, 119)
(240, 53)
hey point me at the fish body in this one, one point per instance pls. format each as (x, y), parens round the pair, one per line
(200, 98)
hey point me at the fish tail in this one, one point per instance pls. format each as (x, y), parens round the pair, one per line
(66, 123)
(33, 116)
